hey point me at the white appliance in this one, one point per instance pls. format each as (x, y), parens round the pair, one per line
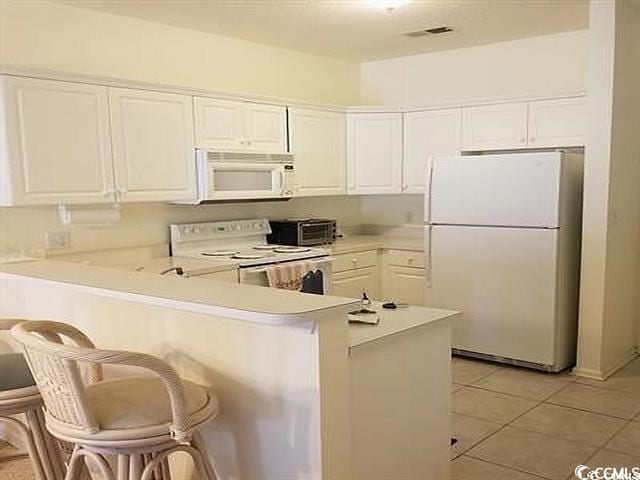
(243, 176)
(244, 243)
(503, 245)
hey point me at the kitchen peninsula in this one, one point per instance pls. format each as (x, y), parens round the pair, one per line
(303, 394)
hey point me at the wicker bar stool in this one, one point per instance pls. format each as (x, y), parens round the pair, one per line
(124, 428)
(19, 397)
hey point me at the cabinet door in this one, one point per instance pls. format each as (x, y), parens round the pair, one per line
(153, 145)
(351, 284)
(265, 128)
(558, 123)
(58, 148)
(405, 285)
(434, 133)
(219, 124)
(374, 156)
(495, 127)
(318, 143)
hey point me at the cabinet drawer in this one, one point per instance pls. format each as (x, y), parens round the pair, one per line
(405, 258)
(351, 261)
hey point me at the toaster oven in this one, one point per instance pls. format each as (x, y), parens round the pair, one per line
(306, 232)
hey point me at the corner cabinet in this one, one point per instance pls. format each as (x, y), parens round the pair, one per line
(240, 126)
(428, 134)
(317, 140)
(374, 153)
(153, 146)
(55, 144)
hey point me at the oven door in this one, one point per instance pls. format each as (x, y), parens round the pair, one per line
(225, 181)
(258, 275)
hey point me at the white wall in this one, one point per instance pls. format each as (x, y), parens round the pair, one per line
(609, 310)
(46, 35)
(546, 65)
(24, 228)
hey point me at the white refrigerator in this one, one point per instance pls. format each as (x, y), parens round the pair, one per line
(502, 236)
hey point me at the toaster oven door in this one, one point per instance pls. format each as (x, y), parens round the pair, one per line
(316, 233)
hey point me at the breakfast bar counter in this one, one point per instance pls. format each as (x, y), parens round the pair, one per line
(303, 394)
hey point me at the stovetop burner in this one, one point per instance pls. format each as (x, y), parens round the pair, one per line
(219, 253)
(265, 247)
(291, 249)
(248, 256)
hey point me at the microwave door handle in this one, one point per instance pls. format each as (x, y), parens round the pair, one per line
(281, 181)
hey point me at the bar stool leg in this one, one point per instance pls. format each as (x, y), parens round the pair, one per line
(17, 434)
(47, 450)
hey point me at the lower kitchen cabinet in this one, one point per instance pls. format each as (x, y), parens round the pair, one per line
(352, 283)
(404, 285)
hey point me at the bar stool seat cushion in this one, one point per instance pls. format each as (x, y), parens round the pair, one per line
(15, 372)
(139, 402)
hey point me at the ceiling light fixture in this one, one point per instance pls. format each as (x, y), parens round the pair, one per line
(388, 5)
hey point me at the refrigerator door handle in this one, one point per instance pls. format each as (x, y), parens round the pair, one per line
(429, 252)
(427, 190)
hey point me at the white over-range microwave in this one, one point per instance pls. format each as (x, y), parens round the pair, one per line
(243, 176)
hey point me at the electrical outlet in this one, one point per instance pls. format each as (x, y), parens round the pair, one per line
(59, 240)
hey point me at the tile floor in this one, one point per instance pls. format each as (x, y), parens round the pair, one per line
(515, 424)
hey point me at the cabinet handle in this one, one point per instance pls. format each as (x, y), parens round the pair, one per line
(354, 261)
(248, 142)
(409, 260)
(522, 140)
(532, 139)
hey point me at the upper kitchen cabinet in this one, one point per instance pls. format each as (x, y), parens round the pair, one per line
(374, 153)
(428, 134)
(54, 143)
(561, 122)
(240, 126)
(153, 145)
(317, 139)
(495, 127)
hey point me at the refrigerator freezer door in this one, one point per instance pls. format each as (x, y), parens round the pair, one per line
(504, 281)
(515, 190)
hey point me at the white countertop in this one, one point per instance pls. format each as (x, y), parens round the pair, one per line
(200, 266)
(217, 298)
(396, 321)
(359, 243)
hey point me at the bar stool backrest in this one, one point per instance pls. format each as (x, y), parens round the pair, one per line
(59, 377)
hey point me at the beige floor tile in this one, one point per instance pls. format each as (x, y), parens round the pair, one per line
(491, 406)
(627, 441)
(533, 453)
(465, 468)
(525, 383)
(465, 371)
(16, 470)
(626, 380)
(609, 458)
(455, 387)
(562, 422)
(469, 431)
(598, 400)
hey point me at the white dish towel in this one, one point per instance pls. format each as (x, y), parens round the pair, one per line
(288, 276)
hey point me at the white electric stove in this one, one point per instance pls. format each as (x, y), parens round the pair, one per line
(243, 243)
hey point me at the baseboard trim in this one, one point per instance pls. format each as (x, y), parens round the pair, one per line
(606, 372)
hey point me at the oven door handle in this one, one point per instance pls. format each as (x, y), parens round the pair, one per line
(316, 263)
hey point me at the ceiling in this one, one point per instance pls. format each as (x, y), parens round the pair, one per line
(353, 29)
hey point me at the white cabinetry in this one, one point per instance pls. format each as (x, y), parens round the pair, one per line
(495, 127)
(536, 124)
(404, 277)
(374, 152)
(54, 141)
(240, 126)
(354, 273)
(432, 133)
(317, 139)
(153, 146)
(561, 122)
